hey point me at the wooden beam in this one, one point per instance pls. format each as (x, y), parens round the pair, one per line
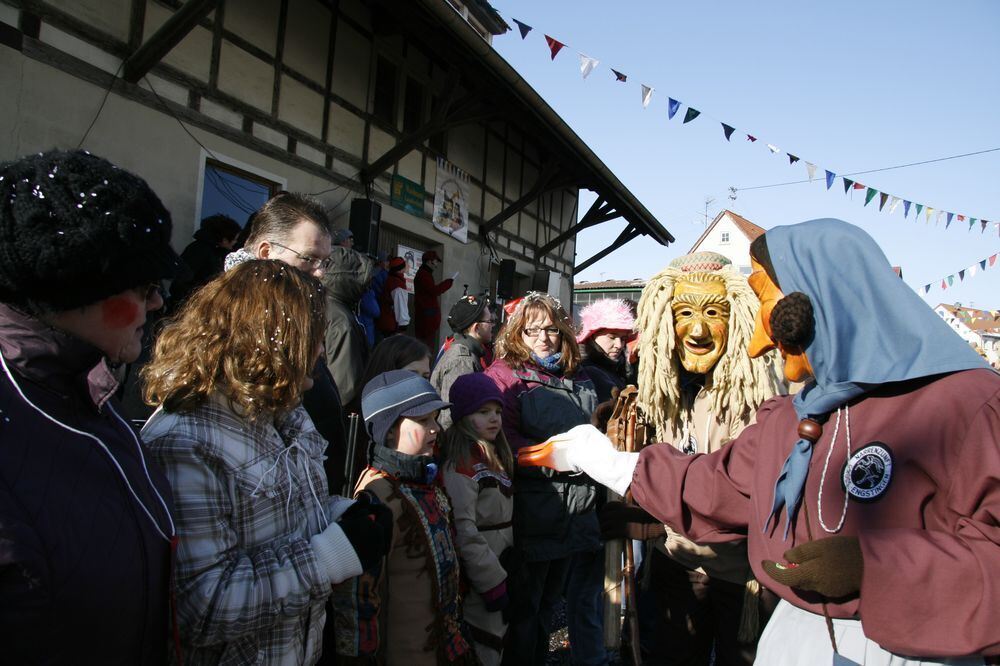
(548, 180)
(167, 37)
(601, 211)
(629, 234)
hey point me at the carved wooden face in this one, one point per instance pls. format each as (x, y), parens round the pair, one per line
(701, 321)
(797, 367)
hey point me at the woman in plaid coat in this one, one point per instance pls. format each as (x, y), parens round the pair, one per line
(260, 541)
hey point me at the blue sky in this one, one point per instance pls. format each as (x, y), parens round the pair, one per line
(849, 86)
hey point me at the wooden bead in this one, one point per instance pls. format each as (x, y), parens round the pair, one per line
(810, 430)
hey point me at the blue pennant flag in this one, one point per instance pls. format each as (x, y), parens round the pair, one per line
(829, 178)
(906, 208)
(672, 107)
(948, 222)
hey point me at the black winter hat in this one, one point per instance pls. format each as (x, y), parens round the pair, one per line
(75, 229)
(466, 312)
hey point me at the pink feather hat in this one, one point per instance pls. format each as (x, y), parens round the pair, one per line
(609, 314)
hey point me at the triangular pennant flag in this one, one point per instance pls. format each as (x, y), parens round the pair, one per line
(948, 223)
(882, 198)
(972, 270)
(554, 46)
(848, 183)
(893, 204)
(906, 208)
(993, 260)
(672, 106)
(792, 159)
(927, 288)
(647, 94)
(773, 148)
(927, 215)
(943, 285)
(919, 208)
(982, 265)
(961, 275)
(870, 194)
(858, 186)
(751, 138)
(830, 177)
(961, 218)
(984, 223)
(619, 76)
(937, 218)
(523, 27)
(727, 130)
(951, 280)
(972, 223)
(587, 65)
(691, 114)
(811, 170)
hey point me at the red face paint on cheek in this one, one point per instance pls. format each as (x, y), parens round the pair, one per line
(119, 312)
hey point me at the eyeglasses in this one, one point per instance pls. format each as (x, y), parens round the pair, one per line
(148, 291)
(550, 331)
(322, 264)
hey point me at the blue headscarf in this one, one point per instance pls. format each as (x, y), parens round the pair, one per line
(871, 329)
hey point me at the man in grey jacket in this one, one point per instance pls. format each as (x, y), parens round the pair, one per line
(346, 280)
(468, 351)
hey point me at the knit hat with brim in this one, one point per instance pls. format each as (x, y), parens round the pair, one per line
(75, 229)
(466, 312)
(395, 394)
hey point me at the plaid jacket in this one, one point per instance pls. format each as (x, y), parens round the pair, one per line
(255, 560)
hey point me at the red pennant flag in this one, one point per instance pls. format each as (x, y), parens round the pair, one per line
(859, 186)
(554, 45)
(943, 285)
(619, 76)
(751, 138)
(993, 260)
(961, 218)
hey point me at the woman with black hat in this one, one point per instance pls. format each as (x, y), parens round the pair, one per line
(85, 524)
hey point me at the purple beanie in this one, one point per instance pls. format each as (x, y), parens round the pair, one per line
(470, 392)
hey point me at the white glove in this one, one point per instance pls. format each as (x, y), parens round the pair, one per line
(586, 449)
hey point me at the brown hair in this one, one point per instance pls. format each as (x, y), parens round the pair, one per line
(510, 346)
(281, 214)
(251, 334)
(394, 353)
(461, 439)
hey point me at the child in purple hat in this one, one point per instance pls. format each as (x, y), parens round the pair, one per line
(477, 464)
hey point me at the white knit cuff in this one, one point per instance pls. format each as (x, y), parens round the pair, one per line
(334, 554)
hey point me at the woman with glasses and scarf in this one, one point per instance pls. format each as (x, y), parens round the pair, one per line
(546, 391)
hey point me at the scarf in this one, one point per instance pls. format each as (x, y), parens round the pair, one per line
(403, 466)
(551, 363)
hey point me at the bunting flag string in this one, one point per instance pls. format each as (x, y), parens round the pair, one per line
(970, 271)
(589, 64)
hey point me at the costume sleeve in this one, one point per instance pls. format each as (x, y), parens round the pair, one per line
(400, 306)
(443, 286)
(935, 592)
(223, 592)
(479, 563)
(705, 497)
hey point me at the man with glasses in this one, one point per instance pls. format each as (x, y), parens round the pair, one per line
(469, 350)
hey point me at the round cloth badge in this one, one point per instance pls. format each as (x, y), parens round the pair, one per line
(867, 472)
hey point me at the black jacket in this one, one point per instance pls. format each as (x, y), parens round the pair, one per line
(83, 570)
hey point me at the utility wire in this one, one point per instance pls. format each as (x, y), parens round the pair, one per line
(101, 107)
(860, 173)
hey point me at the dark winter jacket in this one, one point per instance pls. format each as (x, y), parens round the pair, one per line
(369, 310)
(605, 373)
(463, 356)
(554, 513)
(84, 571)
(203, 259)
(346, 280)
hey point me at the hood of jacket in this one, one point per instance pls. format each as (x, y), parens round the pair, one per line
(348, 276)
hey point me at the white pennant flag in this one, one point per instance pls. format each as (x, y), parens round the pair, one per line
(811, 168)
(937, 218)
(894, 201)
(972, 270)
(773, 148)
(647, 93)
(587, 65)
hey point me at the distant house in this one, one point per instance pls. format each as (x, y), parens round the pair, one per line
(977, 327)
(730, 235)
(587, 292)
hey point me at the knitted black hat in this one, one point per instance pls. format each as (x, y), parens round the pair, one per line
(75, 229)
(466, 312)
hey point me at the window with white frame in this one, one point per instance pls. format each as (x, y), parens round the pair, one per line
(725, 237)
(232, 188)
